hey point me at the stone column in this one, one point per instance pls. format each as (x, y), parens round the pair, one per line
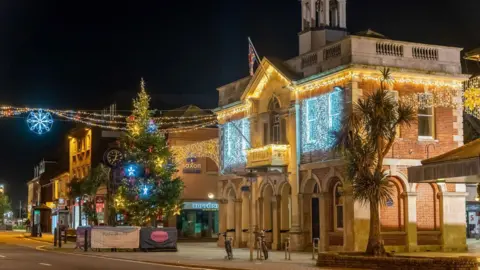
(323, 209)
(452, 224)
(411, 220)
(348, 218)
(276, 222)
(222, 220)
(301, 211)
(342, 12)
(238, 223)
(260, 223)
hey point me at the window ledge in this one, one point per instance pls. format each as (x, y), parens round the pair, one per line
(426, 139)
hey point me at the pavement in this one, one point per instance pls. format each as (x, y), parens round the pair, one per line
(207, 255)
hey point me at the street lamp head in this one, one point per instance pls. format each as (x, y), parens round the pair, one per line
(211, 196)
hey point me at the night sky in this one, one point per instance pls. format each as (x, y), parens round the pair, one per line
(89, 54)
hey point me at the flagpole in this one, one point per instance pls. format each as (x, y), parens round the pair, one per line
(258, 57)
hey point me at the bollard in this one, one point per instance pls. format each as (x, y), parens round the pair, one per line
(287, 249)
(315, 244)
(85, 241)
(59, 237)
(55, 237)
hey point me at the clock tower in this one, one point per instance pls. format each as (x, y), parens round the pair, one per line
(323, 22)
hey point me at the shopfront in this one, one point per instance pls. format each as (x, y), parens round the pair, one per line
(198, 220)
(473, 219)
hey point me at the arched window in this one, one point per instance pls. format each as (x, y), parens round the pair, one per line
(277, 124)
(337, 207)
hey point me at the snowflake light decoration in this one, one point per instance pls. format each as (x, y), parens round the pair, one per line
(39, 121)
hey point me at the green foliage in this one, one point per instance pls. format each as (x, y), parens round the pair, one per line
(88, 187)
(368, 133)
(149, 150)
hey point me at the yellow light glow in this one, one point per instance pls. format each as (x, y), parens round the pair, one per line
(208, 148)
(273, 147)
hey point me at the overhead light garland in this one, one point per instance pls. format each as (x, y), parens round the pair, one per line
(208, 148)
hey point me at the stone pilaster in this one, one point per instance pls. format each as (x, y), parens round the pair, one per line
(323, 209)
(411, 221)
(452, 225)
(238, 223)
(222, 220)
(348, 218)
(276, 205)
(260, 213)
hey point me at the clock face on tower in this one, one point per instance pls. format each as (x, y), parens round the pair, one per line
(113, 157)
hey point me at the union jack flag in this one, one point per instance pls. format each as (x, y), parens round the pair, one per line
(251, 57)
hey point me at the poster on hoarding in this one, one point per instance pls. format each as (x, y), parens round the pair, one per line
(158, 238)
(115, 237)
(80, 242)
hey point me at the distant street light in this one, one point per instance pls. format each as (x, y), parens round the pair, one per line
(211, 196)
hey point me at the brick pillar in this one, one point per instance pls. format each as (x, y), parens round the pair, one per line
(323, 209)
(222, 220)
(452, 223)
(348, 218)
(276, 205)
(238, 223)
(411, 221)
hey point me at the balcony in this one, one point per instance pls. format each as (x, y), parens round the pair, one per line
(268, 155)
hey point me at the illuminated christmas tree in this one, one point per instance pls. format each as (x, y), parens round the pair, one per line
(149, 189)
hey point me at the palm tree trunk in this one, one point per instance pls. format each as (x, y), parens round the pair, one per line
(375, 244)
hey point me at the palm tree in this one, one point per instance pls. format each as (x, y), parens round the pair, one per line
(368, 133)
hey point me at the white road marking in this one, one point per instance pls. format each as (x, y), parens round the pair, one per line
(1, 256)
(45, 264)
(126, 260)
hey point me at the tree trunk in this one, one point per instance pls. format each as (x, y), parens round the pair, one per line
(375, 243)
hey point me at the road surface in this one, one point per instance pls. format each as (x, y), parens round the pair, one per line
(17, 253)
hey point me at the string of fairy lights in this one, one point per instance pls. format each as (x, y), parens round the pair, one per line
(40, 120)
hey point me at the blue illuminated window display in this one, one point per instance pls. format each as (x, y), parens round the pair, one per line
(234, 144)
(321, 118)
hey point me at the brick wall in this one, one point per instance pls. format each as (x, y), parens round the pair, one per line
(392, 217)
(428, 218)
(408, 146)
(393, 263)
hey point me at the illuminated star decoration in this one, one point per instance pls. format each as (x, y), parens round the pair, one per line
(152, 127)
(39, 121)
(145, 190)
(131, 171)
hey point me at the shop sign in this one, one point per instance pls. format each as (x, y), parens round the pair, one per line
(61, 202)
(475, 207)
(99, 199)
(200, 206)
(191, 166)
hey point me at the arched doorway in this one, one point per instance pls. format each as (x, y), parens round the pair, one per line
(315, 210)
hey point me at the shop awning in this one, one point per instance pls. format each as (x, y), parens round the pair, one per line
(461, 165)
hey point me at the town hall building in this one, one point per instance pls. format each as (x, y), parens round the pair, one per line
(278, 170)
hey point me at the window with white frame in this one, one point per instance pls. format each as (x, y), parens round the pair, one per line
(426, 120)
(311, 119)
(334, 109)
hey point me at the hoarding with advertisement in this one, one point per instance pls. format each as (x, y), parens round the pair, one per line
(115, 237)
(158, 238)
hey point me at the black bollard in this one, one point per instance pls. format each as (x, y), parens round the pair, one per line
(59, 238)
(85, 247)
(55, 237)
